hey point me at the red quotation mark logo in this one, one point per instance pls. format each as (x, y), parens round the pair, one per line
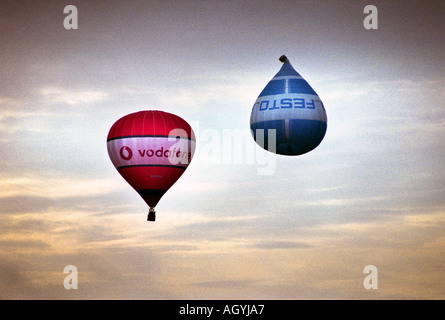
(129, 153)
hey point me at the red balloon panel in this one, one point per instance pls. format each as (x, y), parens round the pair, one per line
(149, 123)
(151, 182)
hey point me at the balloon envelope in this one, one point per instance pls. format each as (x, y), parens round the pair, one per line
(151, 150)
(288, 116)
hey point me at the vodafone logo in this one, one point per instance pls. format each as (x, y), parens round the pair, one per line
(126, 153)
(150, 151)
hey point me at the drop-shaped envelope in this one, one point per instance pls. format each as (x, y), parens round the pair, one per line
(288, 116)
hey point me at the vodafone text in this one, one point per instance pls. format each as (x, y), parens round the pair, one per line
(126, 153)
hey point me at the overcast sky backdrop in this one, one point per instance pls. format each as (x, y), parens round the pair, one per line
(372, 193)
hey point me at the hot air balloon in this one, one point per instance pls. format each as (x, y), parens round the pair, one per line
(288, 116)
(151, 150)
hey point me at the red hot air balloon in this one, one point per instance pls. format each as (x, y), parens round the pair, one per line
(151, 150)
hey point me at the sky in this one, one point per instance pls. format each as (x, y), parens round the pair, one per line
(241, 223)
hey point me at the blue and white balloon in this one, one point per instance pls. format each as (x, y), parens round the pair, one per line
(288, 116)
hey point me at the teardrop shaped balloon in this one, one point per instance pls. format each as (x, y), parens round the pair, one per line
(288, 116)
(151, 150)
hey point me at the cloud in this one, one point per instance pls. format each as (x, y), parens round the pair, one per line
(280, 244)
(16, 245)
(175, 248)
(224, 284)
(54, 95)
(213, 228)
(14, 283)
(24, 204)
(52, 187)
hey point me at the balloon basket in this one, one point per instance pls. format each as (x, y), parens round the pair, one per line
(151, 215)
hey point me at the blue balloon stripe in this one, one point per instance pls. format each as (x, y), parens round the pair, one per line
(300, 137)
(300, 86)
(274, 87)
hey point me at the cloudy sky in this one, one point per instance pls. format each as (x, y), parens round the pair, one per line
(241, 222)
